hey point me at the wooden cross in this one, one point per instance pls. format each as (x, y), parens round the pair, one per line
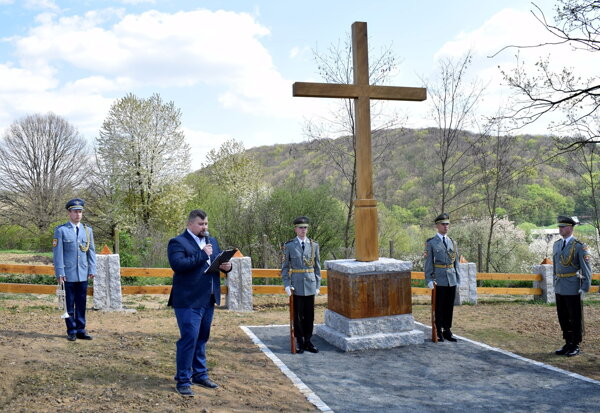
(367, 245)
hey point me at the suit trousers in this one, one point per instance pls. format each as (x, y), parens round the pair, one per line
(568, 308)
(304, 316)
(76, 297)
(444, 306)
(194, 330)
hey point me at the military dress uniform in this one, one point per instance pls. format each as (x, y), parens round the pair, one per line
(442, 267)
(74, 258)
(572, 276)
(301, 270)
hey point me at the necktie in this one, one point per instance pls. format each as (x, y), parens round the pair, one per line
(77, 231)
(302, 246)
(444, 241)
(564, 244)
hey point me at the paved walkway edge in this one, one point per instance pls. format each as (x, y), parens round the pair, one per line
(304, 389)
(530, 361)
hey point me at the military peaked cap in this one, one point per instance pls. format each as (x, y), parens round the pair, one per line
(301, 222)
(442, 219)
(75, 204)
(564, 221)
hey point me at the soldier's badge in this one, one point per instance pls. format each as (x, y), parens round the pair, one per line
(586, 248)
(54, 242)
(587, 258)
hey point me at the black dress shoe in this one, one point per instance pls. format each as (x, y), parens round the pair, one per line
(71, 337)
(440, 336)
(311, 348)
(563, 350)
(208, 383)
(185, 391)
(573, 351)
(84, 336)
(299, 349)
(448, 336)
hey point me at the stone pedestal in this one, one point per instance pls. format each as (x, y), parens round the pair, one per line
(547, 283)
(239, 285)
(107, 283)
(369, 305)
(466, 292)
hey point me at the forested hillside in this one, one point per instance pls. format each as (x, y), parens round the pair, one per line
(405, 177)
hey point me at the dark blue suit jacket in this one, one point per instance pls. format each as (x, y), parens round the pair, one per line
(191, 287)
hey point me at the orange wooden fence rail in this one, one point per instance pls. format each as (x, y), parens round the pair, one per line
(256, 273)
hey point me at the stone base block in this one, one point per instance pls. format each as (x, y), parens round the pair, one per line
(369, 333)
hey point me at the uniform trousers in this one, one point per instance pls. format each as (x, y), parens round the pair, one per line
(194, 329)
(76, 297)
(444, 306)
(568, 308)
(304, 316)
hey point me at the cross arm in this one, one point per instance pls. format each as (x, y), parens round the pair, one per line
(335, 90)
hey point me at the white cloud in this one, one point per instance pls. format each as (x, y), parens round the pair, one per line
(41, 4)
(182, 49)
(7, 1)
(488, 45)
(201, 143)
(134, 2)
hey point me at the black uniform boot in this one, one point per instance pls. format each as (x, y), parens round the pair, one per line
(563, 350)
(299, 346)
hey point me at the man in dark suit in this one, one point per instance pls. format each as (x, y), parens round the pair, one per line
(74, 259)
(193, 298)
(442, 268)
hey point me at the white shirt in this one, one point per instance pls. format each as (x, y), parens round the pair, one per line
(566, 241)
(442, 237)
(200, 241)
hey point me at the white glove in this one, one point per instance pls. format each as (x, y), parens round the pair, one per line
(317, 292)
(430, 285)
(288, 291)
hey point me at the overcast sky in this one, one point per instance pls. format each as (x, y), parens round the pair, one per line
(229, 65)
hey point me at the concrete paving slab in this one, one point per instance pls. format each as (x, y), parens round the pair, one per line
(445, 377)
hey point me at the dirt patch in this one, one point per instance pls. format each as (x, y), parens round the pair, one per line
(29, 259)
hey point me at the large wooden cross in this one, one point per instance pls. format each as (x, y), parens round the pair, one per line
(365, 213)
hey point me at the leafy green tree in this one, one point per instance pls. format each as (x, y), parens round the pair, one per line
(540, 204)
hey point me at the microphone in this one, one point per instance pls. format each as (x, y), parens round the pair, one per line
(206, 234)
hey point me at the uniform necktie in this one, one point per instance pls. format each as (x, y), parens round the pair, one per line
(564, 244)
(77, 231)
(444, 241)
(302, 246)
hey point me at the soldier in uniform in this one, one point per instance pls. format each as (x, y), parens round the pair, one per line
(74, 258)
(441, 267)
(572, 278)
(301, 274)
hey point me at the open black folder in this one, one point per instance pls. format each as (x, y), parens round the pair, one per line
(224, 256)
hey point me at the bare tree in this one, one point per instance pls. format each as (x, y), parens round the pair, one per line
(142, 144)
(537, 94)
(42, 160)
(500, 169)
(585, 163)
(453, 102)
(335, 65)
